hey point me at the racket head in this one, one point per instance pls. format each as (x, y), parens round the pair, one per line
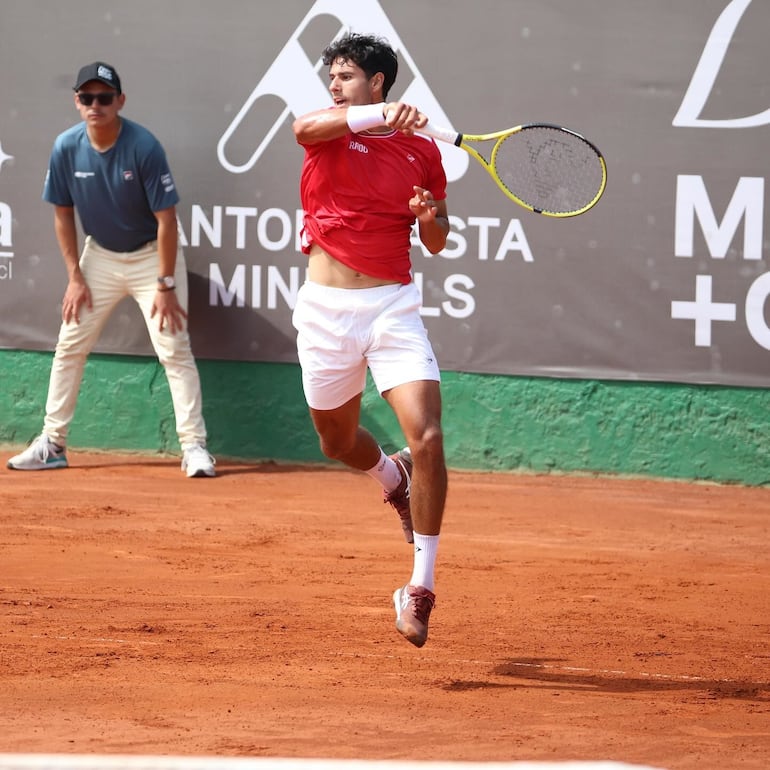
(548, 169)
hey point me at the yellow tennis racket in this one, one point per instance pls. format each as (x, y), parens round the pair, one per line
(544, 168)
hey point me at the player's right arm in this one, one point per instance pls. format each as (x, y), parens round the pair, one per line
(332, 123)
(77, 292)
(321, 126)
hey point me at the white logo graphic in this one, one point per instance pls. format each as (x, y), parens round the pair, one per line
(104, 72)
(295, 79)
(706, 73)
(3, 157)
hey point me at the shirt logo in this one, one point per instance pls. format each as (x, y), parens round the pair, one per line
(355, 145)
(297, 81)
(128, 176)
(84, 174)
(167, 182)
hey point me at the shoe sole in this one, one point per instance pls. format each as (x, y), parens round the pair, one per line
(49, 467)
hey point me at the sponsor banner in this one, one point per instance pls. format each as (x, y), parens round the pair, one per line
(666, 279)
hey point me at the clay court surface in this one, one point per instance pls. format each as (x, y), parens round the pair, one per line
(250, 615)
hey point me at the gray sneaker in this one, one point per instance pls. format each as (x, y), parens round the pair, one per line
(413, 606)
(41, 455)
(399, 497)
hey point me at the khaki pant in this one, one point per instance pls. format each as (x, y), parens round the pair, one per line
(111, 276)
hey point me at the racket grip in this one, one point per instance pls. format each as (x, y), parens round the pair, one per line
(444, 134)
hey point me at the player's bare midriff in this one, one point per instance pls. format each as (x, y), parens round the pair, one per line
(324, 269)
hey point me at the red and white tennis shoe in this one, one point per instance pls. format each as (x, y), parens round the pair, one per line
(413, 606)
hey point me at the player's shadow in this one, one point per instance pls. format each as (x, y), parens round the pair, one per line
(557, 675)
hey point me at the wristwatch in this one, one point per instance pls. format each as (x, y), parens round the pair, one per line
(166, 283)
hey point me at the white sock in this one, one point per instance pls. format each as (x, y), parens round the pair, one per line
(386, 472)
(425, 547)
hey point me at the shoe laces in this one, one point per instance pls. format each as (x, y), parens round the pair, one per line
(421, 606)
(44, 448)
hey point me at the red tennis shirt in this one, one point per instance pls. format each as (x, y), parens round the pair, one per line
(355, 193)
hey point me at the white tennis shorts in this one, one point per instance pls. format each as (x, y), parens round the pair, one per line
(342, 331)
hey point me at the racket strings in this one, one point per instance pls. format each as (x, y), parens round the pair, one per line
(549, 169)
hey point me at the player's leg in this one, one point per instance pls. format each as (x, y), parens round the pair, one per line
(418, 408)
(342, 438)
(331, 353)
(405, 371)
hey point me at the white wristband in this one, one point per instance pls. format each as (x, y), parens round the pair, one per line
(363, 116)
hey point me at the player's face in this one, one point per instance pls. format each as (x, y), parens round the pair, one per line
(96, 113)
(349, 85)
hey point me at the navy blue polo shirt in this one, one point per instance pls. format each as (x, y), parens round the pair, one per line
(115, 192)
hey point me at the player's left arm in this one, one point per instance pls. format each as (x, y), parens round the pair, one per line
(432, 219)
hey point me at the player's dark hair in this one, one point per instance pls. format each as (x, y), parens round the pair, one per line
(372, 54)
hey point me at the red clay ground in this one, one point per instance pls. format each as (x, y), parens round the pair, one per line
(250, 615)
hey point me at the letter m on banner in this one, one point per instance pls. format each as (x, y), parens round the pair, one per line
(747, 204)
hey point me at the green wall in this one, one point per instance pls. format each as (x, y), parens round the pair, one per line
(256, 411)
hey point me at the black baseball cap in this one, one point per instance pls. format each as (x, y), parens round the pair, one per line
(104, 73)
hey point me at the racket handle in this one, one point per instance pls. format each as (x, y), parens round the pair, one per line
(444, 134)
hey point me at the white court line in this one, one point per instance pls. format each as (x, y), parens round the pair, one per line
(130, 762)
(93, 640)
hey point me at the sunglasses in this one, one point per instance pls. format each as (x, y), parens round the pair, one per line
(104, 99)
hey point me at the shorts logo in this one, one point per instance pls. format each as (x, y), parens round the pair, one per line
(299, 82)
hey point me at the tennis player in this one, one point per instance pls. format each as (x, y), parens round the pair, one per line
(366, 179)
